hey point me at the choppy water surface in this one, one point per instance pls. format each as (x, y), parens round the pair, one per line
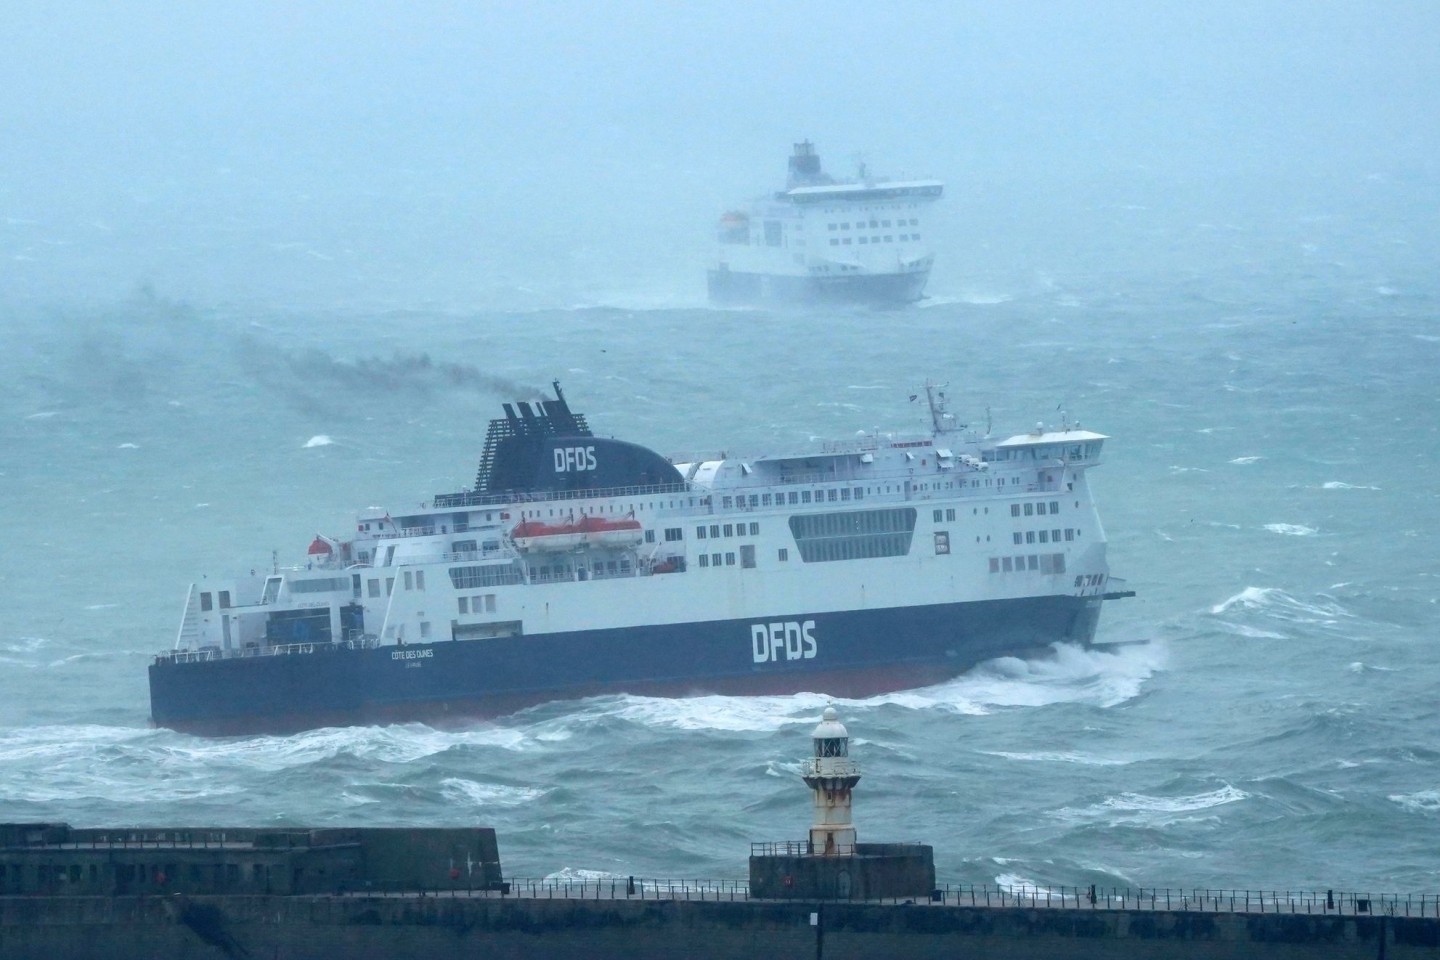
(1269, 492)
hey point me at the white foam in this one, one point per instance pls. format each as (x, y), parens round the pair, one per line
(319, 440)
(1078, 758)
(1254, 633)
(1276, 603)
(1249, 597)
(579, 875)
(1246, 460)
(1425, 801)
(1143, 808)
(1339, 485)
(1023, 886)
(1291, 529)
(979, 299)
(461, 791)
(128, 446)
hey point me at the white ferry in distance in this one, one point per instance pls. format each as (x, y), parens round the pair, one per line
(822, 240)
(581, 565)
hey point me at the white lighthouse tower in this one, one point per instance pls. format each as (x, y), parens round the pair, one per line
(831, 775)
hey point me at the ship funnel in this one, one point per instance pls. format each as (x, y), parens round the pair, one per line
(805, 165)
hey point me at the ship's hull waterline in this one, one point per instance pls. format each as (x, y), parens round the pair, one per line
(852, 654)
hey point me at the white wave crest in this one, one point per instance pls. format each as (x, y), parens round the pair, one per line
(1246, 460)
(1078, 758)
(1341, 485)
(1291, 529)
(1425, 801)
(319, 440)
(1021, 885)
(461, 791)
(579, 875)
(1277, 603)
(1133, 808)
(1249, 597)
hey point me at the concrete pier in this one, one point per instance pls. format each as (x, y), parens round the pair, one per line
(536, 922)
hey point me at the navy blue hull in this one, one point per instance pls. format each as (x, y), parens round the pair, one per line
(850, 654)
(731, 287)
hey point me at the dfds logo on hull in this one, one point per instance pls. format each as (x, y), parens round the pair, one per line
(787, 640)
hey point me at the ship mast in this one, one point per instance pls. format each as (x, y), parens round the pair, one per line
(941, 420)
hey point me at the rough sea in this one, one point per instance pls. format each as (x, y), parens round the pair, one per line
(1268, 369)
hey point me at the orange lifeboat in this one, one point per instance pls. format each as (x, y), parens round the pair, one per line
(611, 533)
(534, 535)
(587, 531)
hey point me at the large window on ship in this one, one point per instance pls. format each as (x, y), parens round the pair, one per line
(494, 575)
(854, 534)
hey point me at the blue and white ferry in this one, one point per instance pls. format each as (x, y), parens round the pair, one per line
(580, 565)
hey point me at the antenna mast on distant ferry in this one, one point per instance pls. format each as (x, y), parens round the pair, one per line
(941, 420)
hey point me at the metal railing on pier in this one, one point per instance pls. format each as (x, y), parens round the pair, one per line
(994, 896)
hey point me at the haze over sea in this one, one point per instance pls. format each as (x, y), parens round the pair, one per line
(195, 374)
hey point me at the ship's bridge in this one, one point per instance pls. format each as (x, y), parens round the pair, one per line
(1069, 445)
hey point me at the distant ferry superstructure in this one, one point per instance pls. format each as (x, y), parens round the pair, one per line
(581, 565)
(864, 241)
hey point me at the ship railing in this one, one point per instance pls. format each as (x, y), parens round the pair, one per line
(1024, 896)
(472, 499)
(280, 649)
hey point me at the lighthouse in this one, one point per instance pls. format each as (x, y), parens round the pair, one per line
(831, 775)
(831, 863)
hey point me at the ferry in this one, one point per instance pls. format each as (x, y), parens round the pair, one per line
(580, 565)
(823, 240)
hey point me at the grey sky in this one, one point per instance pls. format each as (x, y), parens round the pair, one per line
(546, 118)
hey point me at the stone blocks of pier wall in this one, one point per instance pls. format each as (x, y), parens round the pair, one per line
(396, 928)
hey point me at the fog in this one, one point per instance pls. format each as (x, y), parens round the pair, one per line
(470, 156)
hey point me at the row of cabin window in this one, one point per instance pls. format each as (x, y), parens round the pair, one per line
(1043, 563)
(483, 603)
(1044, 536)
(845, 241)
(874, 224)
(832, 495)
(747, 558)
(718, 530)
(1034, 509)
